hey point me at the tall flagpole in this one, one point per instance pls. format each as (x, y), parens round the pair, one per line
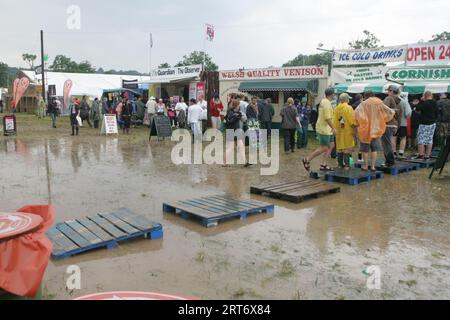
(150, 55)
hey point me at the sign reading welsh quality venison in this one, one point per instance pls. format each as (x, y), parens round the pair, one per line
(419, 73)
(370, 56)
(430, 54)
(307, 72)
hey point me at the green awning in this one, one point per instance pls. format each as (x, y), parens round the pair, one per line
(311, 86)
(122, 90)
(362, 87)
(421, 87)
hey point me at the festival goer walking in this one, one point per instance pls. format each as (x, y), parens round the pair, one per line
(151, 111)
(52, 110)
(304, 111)
(233, 122)
(74, 114)
(194, 120)
(127, 112)
(344, 123)
(181, 109)
(140, 110)
(428, 117)
(105, 106)
(95, 113)
(325, 132)
(84, 111)
(389, 140)
(290, 122)
(172, 114)
(405, 113)
(266, 113)
(41, 108)
(1, 106)
(160, 108)
(215, 108)
(371, 117)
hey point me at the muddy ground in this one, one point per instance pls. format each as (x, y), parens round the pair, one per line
(315, 250)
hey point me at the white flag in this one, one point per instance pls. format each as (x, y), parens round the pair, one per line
(151, 40)
(210, 32)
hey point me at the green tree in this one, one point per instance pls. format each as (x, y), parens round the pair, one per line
(66, 64)
(443, 36)
(369, 41)
(320, 59)
(29, 58)
(164, 65)
(198, 57)
(4, 75)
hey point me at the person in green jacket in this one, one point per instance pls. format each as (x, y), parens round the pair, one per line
(95, 113)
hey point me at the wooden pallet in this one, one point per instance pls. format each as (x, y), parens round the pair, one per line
(296, 191)
(395, 170)
(352, 177)
(424, 164)
(104, 230)
(211, 210)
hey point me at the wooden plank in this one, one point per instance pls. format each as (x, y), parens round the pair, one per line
(74, 236)
(95, 229)
(108, 227)
(122, 225)
(138, 221)
(298, 184)
(196, 211)
(227, 204)
(84, 232)
(218, 210)
(249, 202)
(291, 188)
(60, 242)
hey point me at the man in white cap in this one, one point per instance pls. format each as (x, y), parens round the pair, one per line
(151, 110)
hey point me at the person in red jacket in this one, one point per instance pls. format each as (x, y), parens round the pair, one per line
(215, 108)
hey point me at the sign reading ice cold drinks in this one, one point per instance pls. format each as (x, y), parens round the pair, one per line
(109, 125)
(308, 72)
(370, 56)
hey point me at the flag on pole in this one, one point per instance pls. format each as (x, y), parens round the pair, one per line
(151, 40)
(210, 32)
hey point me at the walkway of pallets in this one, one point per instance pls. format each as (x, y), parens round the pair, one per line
(352, 176)
(104, 230)
(210, 210)
(424, 164)
(395, 170)
(297, 191)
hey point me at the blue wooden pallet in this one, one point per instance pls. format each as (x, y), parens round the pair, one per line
(103, 230)
(395, 170)
(353, 176)
(211, 210)
(424, 164)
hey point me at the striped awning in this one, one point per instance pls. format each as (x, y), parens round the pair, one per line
(422, 87)
(363, 87)
(311, 86)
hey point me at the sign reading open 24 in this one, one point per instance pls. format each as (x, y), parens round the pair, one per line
(430, 54)
(370, 56)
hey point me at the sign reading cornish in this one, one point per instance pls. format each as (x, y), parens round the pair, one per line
(424, 73)
(370, 56)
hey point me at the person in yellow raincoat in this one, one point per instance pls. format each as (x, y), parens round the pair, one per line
(344, 122)
(371, 117)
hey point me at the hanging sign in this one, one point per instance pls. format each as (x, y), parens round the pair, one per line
(109, 125)
(370, 56)
(307, 72)
(358, 75)
(420, 73)
(22, 86)
(428, 54)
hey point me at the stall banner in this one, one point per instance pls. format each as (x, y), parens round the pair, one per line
(109, 125)
(67, 88)
(178, 72)
(23, 85)
(419, 73)
(201, 90)
(306, 72)
(370, 56)
(428, 54)
(193, 90)
(15, 85)
(210, 32)
(358, 75)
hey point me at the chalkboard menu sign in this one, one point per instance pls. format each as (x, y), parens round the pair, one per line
(161, 127)
(9, 125)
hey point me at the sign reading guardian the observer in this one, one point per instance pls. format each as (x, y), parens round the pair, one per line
(370, 56)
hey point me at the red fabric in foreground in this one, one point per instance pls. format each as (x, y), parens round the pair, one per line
(23, 260)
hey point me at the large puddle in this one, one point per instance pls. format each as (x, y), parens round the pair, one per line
(315, 250)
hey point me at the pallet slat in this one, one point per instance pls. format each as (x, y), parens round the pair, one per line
(95, 229)
(122, 225)
(107, 226)
(84, 232)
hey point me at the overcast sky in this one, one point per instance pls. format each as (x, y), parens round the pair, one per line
(249, 33)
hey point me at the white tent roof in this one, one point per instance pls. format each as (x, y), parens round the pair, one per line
(89, 84)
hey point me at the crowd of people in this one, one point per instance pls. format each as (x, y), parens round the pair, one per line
(377, 126)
